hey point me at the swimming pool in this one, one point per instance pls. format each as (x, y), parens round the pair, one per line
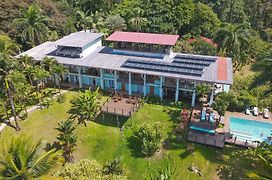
(249, 130)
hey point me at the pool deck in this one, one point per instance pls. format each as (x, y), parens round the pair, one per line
(242, 116)
(222, 135)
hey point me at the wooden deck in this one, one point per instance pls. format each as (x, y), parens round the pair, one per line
(216, 140)
(120, 107)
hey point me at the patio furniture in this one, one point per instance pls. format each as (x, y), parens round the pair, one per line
(266, 113)
(203, 115)
(211, 118)
(255, 111)
(129, 100)
(209, 131)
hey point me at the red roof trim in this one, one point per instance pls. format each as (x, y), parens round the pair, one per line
(146, 38)
(222, 69)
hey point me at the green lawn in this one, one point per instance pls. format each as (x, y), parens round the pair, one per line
(102, 140)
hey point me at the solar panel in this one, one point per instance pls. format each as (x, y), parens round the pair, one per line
(164, 64)
(190, 61)
(204, 58)
(161, 67)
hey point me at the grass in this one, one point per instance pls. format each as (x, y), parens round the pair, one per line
(102, 140)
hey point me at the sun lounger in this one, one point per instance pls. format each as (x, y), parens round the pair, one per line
(203, 116)
(210, 131)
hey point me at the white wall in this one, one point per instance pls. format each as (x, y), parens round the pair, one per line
(92, 48)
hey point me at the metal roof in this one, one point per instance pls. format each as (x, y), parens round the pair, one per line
(146, 38)
(104, 59)
(78, 39)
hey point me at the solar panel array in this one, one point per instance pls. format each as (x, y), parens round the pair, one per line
(182, 64)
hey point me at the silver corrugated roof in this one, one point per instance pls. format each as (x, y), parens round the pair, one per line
(78, 39)
(98, 59)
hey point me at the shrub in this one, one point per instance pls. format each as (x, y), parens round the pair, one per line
(114, 167)
(150, 137)
(86, 169)
(153, 99)
(61, 98)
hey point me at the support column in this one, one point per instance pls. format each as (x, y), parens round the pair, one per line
(161, 89)
(144, 84)
(211, 97)
(177, 90)
(194, 95)
(102, 78)
(79, 77)
(115, 81)
(129, 84)
(69, 77)
(56, 78)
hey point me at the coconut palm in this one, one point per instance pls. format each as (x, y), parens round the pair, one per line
(115, 23)
(32, 25)
(138, 22)
(26, 64)
(39, 74)
(7, 65)
(7, 46)
(59, 70)
(23, 159)
(67, 139)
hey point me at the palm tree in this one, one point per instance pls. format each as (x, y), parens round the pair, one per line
(23, 159)
(26, 64)
(67, 139)
(84, 108)
(7, 46)
(84, 22)
(7, 65)
(59, 70)
(39, 74)
(138, 22)
(234, 41)
(115, 23)
(47, 64)
(32, 25)
(21, 89)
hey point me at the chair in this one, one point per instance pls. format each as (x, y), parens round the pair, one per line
(203, 115)
(211, 118)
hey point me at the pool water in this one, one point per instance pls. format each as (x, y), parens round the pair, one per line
(250, 130)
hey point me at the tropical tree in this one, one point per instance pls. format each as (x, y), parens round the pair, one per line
(21, 90)
(39, 75)
(84, 22)
(26, 64)
(7, 46)
(59, 70)
(7, 64)
(202, 90)
(115, 23)
(150, 138)
(32, 25)
(86, 169)
(234, 41)
(67, 139)
(23, 158)
(84, 108)
(114, 166)
(204, 21)
(138, 21)
(261, 155)
(222, 102)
